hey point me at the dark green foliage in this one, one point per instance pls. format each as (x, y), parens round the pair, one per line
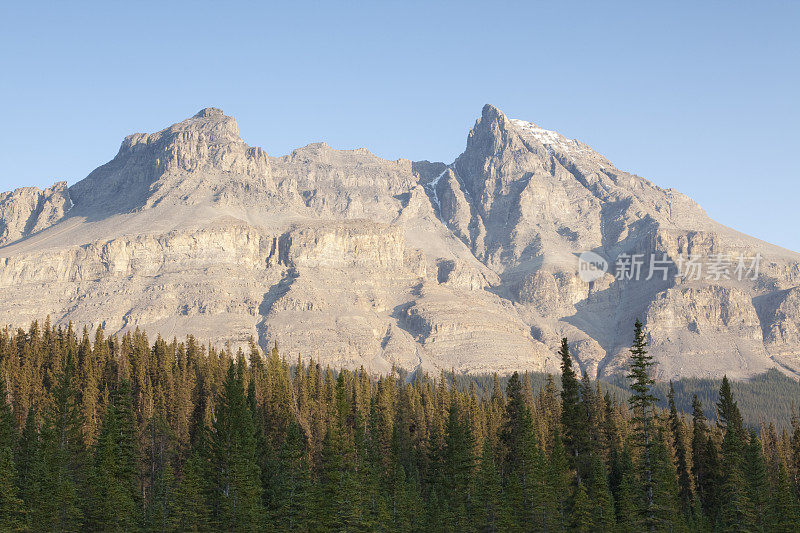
(755, 475)
(115, 502)
(772, 392)
(705, 463)
(56, 460)
(626, 493)
(235, 475)
(641, 402)
(289, 485)
(583, 519)
(457, 464)
(167, 436)
(685, 494)
(665, 511)
(187, 508)
(784, 514)
(603, 517)
(490, 510)
(11, 506)
(736, 512)
(573, 415)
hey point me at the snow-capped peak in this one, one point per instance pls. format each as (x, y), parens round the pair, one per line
(548, 138)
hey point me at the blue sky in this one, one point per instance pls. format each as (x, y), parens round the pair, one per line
(703, 98)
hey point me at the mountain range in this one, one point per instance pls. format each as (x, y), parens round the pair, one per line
(359, 261)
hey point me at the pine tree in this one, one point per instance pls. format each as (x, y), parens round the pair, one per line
(666, 508)
(736, 510)
(289, 490)
(490, 511)
(559, 478)
(684, 480)
(727, 409)
(626, 496)
(784, 509)
(458, 463)
(603, 517)
(583, 519)
(30, 465)
(641, 403)
(11, 508)
(532, 501)
(114, 479)
(56, 479)
(755, 474)
(161, 504)
(704, 462)
(236, 485)
(189, 508)
(338, 502)
(185, 440)
(573, 414)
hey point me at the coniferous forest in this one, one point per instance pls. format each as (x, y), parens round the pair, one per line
(117, 434)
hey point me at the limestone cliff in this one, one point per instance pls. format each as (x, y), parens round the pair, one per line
(355, 260)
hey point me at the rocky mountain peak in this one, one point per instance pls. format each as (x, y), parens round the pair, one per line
(28, 210)
(356, 260)
(209, 112)
(209, 126)
(184, 157)
(490, 133)
(490, 112)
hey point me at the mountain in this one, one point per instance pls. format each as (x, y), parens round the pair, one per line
(355, 260)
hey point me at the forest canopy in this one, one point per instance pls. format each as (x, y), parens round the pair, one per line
(118, 433)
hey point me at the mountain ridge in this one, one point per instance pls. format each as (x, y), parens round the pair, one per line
(470, 265)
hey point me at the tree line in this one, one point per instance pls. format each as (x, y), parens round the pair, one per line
(115, 433)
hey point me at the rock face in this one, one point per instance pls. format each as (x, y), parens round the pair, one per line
(359, 261)
(29, 209)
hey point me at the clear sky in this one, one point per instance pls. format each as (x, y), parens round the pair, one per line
(699, 96)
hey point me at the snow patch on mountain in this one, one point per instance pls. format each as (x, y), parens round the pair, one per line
(546, 137)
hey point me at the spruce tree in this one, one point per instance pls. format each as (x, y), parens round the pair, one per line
(784, 512)
(183, 440)
(289, 489)
(532, 501)
(756, 482)
(736, 510)
(236, 485)
(114, 479)
(490, 512)
(626, 495)
(583, 519)
(666, 509)
(559, 478)
(603, 516)
(338, 502)
(11, 507)
(684, 480)
(573, 414)
(704, 467)
(60, 460)
(641, 402)
(458, 463)
(189, 507)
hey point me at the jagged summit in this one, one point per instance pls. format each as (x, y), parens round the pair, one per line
(209, 112)
(174, 163)
(355, 260)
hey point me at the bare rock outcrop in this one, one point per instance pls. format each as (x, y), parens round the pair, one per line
(355, 260)
(720, 325)
(28, 210)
